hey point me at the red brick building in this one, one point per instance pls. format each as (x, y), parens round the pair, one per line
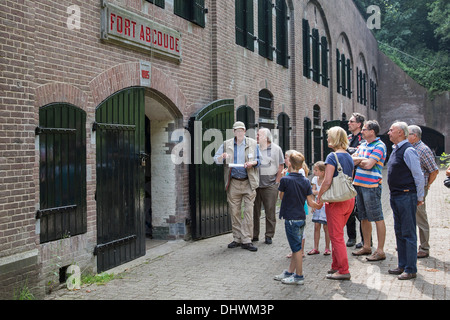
(94, 95)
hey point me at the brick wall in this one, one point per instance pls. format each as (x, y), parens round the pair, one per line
(43, 60)
(17, 118)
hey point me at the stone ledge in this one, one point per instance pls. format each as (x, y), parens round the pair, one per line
(18, 261)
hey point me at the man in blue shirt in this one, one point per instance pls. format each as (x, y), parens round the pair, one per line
(406, 185)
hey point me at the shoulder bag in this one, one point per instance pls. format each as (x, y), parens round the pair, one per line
(341, 188)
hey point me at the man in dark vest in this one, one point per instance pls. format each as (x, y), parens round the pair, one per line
(406, 185)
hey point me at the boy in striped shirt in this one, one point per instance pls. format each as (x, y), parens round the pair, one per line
(369, 159)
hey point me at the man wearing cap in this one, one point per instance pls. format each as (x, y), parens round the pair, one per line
(240, 156)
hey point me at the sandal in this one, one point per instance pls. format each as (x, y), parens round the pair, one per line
(327, 252)
(313, 251)
(376, 257)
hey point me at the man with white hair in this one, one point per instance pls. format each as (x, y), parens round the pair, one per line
(430, 171)
(406, 185)
(272, 164)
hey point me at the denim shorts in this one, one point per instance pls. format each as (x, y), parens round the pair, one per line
(294, 233)
(368, 204)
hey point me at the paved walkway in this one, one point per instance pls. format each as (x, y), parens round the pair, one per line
(208, 270)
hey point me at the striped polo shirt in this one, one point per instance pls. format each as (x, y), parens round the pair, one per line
(370, 178)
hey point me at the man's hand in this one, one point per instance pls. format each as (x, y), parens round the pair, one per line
(250, 164)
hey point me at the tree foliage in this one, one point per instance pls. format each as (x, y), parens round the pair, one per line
(415, 34)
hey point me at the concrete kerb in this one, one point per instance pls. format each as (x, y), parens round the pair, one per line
(152, 253)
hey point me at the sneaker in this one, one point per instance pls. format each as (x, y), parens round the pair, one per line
(293, 279)
(268, 240)
(282, 276)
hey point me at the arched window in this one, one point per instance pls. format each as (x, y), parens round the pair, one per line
(266, 108)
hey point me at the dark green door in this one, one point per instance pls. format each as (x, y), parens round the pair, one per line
(208, 200)
(120, 138)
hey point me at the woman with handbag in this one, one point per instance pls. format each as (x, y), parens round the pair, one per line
(339, 200)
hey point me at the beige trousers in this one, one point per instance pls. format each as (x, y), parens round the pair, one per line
(422, 224)
(241, 216)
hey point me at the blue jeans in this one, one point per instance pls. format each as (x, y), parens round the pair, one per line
(404, 207)
(294, 233)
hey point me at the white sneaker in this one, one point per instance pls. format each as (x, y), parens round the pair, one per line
(282, 276)
(293, 279)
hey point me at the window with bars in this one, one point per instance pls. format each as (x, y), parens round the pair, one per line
(159, 3)
(62, 171)
(265, 37)
(282, 33)
(244, 24)
(192, 10)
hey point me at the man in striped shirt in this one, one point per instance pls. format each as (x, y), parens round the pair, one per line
(369, 159)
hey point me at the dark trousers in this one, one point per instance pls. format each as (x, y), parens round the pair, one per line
(404, 209)
(351, 225)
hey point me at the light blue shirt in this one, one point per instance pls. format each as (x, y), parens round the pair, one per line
(239, 158)
(412, 160)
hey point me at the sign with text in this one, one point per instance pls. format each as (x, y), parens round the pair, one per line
(131, 29)
(145, 73)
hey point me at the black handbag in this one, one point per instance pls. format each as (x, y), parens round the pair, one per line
(447, 182)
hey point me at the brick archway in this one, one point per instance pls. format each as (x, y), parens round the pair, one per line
(128, 75)
(60, 92)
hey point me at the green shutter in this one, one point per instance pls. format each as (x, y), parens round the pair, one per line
(180, 8)
(192, 10)
(199, 12)
(159, 3)
(338, 71)
(282, 33)
(239, 16)
(324, 44)
(265, 38)
(62, 171)
(315, 55)
(343, 74)
(249, 34)
(358, 85)
(349, 79)
(306, 49)
(364, 89)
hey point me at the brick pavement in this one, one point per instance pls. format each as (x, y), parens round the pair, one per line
(208, 270)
